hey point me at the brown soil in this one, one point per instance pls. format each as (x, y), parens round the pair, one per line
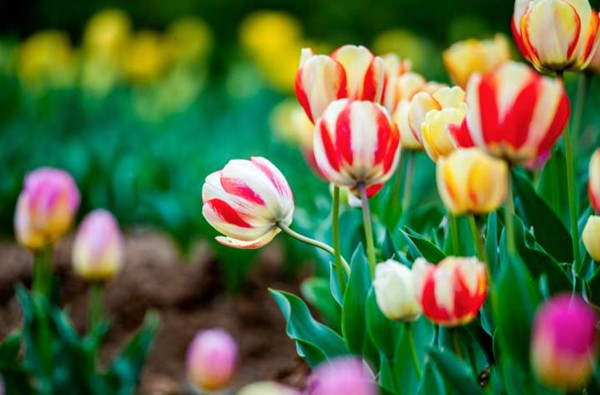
(188, 296)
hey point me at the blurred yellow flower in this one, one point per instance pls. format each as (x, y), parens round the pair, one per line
(464, 58)
(188, 39)
(145, 57)
(265, 33)
(289, 123)
(47, 57)
(107, 33)
(408, 45)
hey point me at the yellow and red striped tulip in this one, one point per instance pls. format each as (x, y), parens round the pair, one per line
(594, 64)
(471, 181)
(451, 292)
(431, 115)
(594, 181)
(98, 249)
(245, 201)
(556, 35)
(465, 58)
(514, 113)
(591, 237)
(351, 72)
(46, 207)
(212, 360)
(356, 142)
(564, 343)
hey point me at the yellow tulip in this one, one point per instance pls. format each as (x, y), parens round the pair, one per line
(464, 58)
(146, 58)
(188, 40)
(470, 181)
(107, 33)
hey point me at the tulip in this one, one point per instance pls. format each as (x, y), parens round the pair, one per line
(514, 113)
(556, 35)
(212, 359)
(246, 201)
(564, 342)
(267, 388)
(465, 58)
(394, 291)
(98, 249)
(46, 207)
(594, 65)
(395, 88)
(432, 114)
(591, 237)
(343, 375)
(355, 142)
(351, 72)
(451, 292)
(594, 181)
(471, 182)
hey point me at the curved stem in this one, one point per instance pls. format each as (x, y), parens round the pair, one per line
(582, 87)
(337, 253)
(413, 350)
(509, 210)
(94, 305)
(366, 211)
(477, 238)
(410, 173)
(454, 234)
(312, 242)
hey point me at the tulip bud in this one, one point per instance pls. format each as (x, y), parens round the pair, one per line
(595, 61)
(394, 291)
(98, 249)
(556, 35)
(564, 342)
(432, 114)
(594, 181)
(344, 375)
(212, 359)
(451, 292)
(356, 142)
(517, 124)
(591, 237)
(46, 207)
(246, 201)
(470, 181)
(267, 388)
(350, 72)
(465, 58)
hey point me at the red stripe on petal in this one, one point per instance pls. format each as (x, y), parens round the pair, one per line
(593, 198)
(515, 126)
(383, 135)
(237, 188)
(592, 37)
(430, 306)
(301, 95)
(330, 152)
(575, 41)
(557, 126)
(228, 213)
(343, 135)
(392, 150)
(373, 190)
(519, 40)
(369, 83)
(461, 135)
(488, 111)
(342, 91)
(280, 184)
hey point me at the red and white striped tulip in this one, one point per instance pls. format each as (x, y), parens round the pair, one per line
(451, 292)
(98, 249)
(556, 35)
(564, 342)
(245, 201)
(46, 207)
(594, 181)
(212, 360)
(356, 142)
(351, 72)
(514, 113)
(431, 115)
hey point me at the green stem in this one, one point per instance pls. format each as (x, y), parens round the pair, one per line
(366, 211)
(337, 253)
(312, 242)
(456, 343)
(398, 186)
(94, 305)
(454, 232)
(479, 247)
(410, 173)
(42, 270)
(571, 187)
(413, 350)
(509, 225)
(582, 87)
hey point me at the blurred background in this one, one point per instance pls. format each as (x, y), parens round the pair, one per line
(140, 100)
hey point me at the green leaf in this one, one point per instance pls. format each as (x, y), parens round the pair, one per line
(418, 246)
(354, 308)
(553, 176)
(549, 230)
(491, 240)
(9, 349)
(317, 292)
(431, 381)
(456, 372)
(594, 288)
(385, 333)
(309, 335)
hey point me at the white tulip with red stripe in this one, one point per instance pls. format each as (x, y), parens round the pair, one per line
(356, 142)
(349, 72)
(514, 113)
(246, 201)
